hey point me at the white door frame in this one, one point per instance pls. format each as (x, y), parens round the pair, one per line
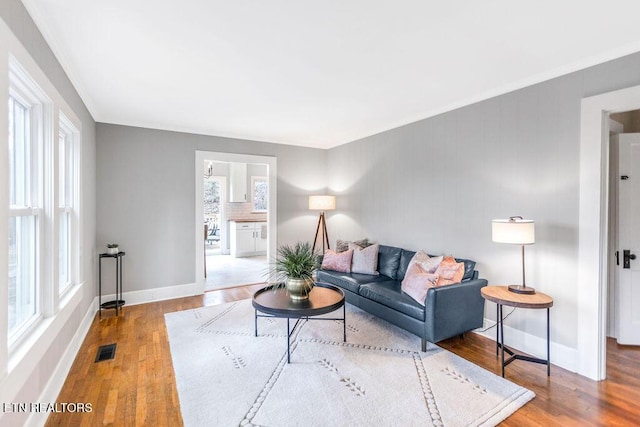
(272, 213)
(593, 226)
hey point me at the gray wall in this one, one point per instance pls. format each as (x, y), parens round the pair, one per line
(437, 183)
(13, 13)
(146, 197)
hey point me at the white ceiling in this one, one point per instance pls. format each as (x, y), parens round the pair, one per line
(318, 73)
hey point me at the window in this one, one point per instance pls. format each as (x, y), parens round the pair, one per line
(66, 189)
(260, 193)
(25, 203)
(43, 231)
(41, 273)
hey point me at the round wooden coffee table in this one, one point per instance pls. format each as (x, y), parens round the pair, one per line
(274, 301)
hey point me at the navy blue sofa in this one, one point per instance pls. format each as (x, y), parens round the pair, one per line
(449, 310)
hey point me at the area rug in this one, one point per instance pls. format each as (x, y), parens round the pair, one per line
(228, 377)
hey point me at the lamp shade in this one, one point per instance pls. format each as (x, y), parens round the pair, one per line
(322, 203)
(513, 230)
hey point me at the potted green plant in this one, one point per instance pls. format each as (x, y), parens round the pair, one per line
(293, 268)
(112, 248)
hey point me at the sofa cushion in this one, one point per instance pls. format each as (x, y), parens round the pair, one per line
(337, 261)
(405, 258)
(389, 293)
(389, 261)
(348, 281)
(364, 261)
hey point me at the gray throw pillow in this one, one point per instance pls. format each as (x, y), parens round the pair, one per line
(343, 245)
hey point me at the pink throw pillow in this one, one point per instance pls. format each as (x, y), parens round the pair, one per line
(428, 264)
(365, 261)
(449, 271)
(417, 282)
(337, 261)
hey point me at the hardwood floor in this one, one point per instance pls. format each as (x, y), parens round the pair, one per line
(138, 386)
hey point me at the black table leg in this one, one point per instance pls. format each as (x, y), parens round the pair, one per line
(117, 284)
(120, 279)
(548, 347)
(255, 323)
(497, 328)
(344, 322)
(501, 336)
(100, 287)
(288, 343)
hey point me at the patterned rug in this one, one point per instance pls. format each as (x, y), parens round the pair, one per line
(227, 377)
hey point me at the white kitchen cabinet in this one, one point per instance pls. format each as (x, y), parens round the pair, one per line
(238, 182)
(248, 238)
(261, 238)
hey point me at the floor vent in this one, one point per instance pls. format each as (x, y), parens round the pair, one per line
(106, 352)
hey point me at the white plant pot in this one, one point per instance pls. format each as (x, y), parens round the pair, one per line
(113, 251)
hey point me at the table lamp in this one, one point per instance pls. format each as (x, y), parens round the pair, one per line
(322, 203)
(516, 231)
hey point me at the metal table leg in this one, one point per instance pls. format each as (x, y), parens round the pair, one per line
(548, 346)
(121, 265)
(117, 284)
(344, 322)
(501, 336)
(513, 355)
(100, 287)
(288, 343)
(497, 328)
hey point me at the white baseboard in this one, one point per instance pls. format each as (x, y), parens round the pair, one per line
(157, 294)
(562, 356)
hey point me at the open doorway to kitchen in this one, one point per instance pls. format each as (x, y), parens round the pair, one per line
(236, 208)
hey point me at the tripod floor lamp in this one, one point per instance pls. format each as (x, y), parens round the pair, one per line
(322, 203)
(516, 231)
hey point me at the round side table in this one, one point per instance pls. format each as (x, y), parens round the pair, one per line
(501, 295)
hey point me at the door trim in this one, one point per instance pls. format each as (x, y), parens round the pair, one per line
(593, 226)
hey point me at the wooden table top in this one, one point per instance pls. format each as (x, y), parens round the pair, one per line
(323, 298)
(502, 295)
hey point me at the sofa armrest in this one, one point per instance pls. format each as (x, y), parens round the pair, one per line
(453, 309)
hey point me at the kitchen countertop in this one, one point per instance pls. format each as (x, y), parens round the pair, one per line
(248, 220)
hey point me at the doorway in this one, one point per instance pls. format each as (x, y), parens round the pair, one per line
(237, 192)
(623, 302)
(235, 223)
(593, 230)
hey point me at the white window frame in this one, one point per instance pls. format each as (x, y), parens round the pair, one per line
(25, 91)
(67, 179)
(253, 193)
